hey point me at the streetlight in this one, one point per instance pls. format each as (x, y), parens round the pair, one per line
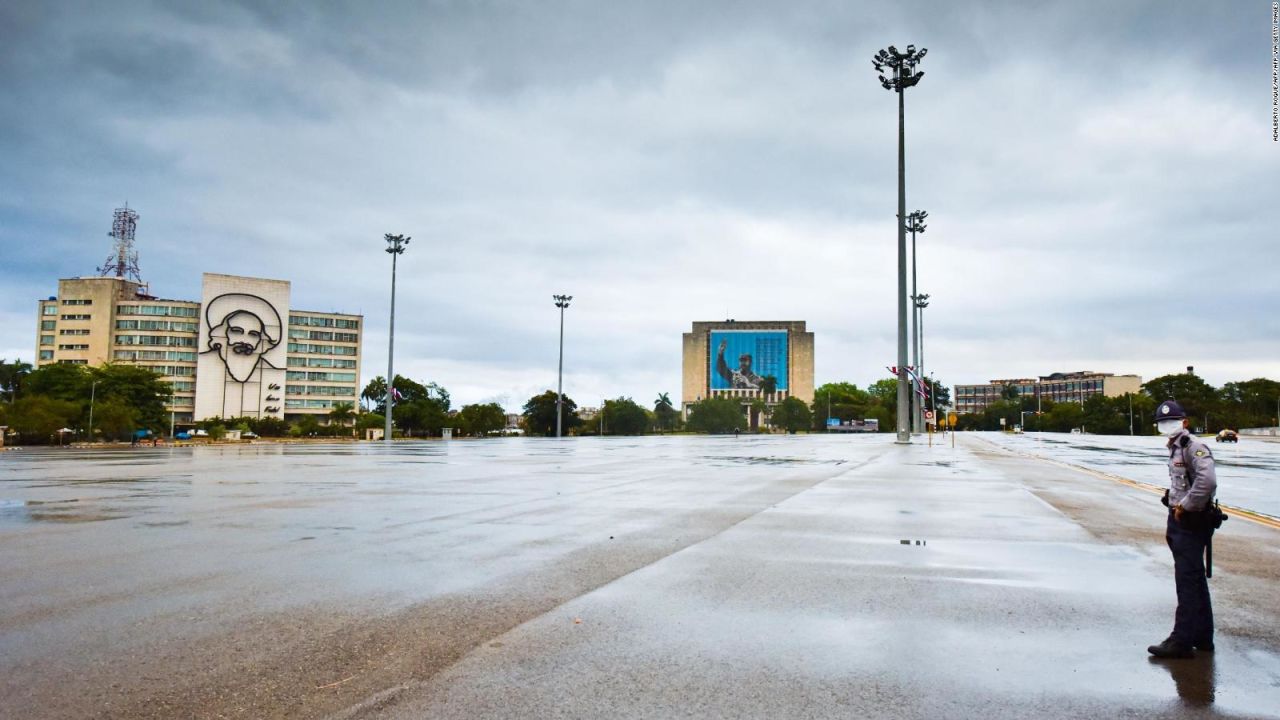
(904, 76)
(919, 303)
(396, 247)
(93, 391)
(915, 224)
(562, 302)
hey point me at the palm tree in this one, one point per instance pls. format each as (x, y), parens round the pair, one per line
(758, 405)
(341, 413)
(768, 386)
(375, 393)
(11, 375)
(663, 408)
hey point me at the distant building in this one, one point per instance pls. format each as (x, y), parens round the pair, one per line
(241, 350)
(1058, 387)
(732, 358)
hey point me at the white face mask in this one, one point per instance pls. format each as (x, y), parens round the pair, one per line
(1169, 427)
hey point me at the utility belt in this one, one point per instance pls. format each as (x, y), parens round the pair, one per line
(1210, 518)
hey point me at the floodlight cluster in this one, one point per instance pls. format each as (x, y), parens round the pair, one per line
(902, 64)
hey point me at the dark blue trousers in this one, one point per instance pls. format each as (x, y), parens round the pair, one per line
(1193, 621)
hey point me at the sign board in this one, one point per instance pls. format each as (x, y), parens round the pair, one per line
(831, 422)
(928, 415)
(951, 419)
(1002, 423)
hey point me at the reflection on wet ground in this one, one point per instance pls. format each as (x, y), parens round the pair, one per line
(1248, 471)
(819, 575)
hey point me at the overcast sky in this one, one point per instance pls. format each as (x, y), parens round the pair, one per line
(1100, 178)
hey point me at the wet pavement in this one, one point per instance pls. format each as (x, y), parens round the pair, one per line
(652, 577)
(1248, 470)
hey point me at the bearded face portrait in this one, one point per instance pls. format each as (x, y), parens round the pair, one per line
(241, 339)
(248, 328)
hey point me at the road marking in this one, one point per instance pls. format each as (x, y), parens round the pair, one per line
(1257, 517)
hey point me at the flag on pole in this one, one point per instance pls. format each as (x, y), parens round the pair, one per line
(395, 392)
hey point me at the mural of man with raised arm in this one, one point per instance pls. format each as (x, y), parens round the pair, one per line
(744, 378)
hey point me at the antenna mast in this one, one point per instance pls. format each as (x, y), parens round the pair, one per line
(123, 261)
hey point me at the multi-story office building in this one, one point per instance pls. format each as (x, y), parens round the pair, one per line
(732, 359)
(241, 350)
(1058, 387)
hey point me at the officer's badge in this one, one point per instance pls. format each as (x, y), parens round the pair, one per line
(1199, 453)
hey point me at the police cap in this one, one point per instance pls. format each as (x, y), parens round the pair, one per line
(1170, 410)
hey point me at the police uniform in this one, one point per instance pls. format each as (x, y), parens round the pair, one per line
(1192, 484)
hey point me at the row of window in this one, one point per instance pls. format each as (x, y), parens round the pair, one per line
(170, 325)
(291, 404)
(80, 331)
(80, 316)
(1028, 390)
(49, 309)
(320, 376)
(321, 349)
(174, 370)
(68, 301)
(324, 322)
(74, 346)
(340, 390)
(178, 355)
(321, 362)
(46, 354)
(161, 340)
(172, 310)
(48, 324)
(300, 334)
(183, 385)
(46, 339)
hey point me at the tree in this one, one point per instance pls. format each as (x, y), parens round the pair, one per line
(756, 407)
(716, 415)
(114, 419)
(375, 395)
(341, 413)
(37, 418)
(665, 412)
(624, 417)
(1009, 391)
(60, 382)
(791, 414)
(480, 420)
(768, 386)
(139, 388)
(11, 376)
(885, 407)
(540, 414)
(843, 401)
(1195, 396)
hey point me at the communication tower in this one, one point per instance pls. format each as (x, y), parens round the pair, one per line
(123, 260)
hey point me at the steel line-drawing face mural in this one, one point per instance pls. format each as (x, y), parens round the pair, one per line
(242, 330)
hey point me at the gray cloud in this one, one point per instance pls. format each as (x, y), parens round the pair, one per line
(1098, 177)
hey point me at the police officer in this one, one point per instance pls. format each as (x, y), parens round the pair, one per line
(1192, 484)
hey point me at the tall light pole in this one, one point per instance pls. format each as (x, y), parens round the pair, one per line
(915, 224)
(396, 247)
(93, 391)
(904, 76)
(919, 303)
(562, 302)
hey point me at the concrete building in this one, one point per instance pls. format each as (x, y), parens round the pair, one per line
(1058, 387)
(731, 358)
(241, 350)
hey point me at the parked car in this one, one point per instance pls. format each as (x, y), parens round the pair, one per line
(1227, 436)
(250, 435)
